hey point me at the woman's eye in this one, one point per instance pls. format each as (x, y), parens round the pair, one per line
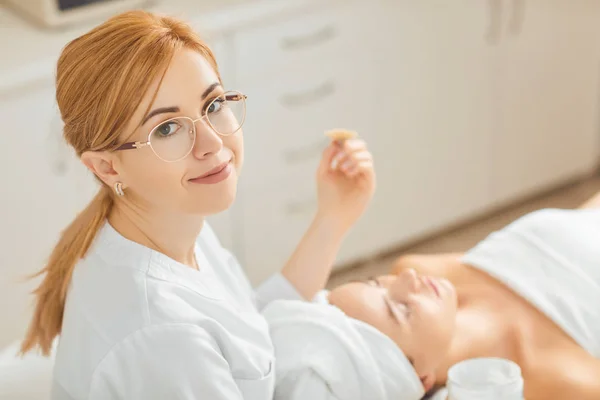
(168, 128)
(216, 105)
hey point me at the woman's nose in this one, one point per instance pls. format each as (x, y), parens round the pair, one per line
(208, 141)
(406, 283)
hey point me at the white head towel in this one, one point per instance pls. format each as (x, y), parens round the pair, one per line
(323, 354)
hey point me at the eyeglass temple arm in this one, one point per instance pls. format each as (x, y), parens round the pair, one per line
(132, 145)
(235, 97)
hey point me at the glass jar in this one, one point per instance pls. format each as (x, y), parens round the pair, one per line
(485, 379)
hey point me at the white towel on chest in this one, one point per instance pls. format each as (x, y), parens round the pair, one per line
(552, 259)
(321, 354)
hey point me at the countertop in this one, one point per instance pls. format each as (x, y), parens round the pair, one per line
(29, 53)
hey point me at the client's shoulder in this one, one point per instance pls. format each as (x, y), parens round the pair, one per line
(563, 372)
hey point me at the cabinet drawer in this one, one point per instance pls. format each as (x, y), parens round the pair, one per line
(301, 41)
(274, 218)
(287, 117)
(45, 185)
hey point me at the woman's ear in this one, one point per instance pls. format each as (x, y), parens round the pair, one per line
(428, 381)
(101, 164)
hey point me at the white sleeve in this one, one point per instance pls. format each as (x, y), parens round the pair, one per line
(177, 361)
(276, 287)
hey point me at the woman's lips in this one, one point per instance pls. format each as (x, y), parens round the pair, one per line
(215, 175)
(433, 285)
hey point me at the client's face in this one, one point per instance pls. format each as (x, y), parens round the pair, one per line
(418, 313)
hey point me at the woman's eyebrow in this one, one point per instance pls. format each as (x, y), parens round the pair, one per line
(174, 109)
(162, 110)
(209, 90)
(367, 281)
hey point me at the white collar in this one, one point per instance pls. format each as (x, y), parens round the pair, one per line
(116, 249)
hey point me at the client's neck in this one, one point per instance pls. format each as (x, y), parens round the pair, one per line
(476, 335)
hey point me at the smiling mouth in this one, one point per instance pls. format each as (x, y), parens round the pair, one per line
(214, 171)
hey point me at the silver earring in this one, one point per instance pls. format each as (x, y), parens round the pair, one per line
(119, 189)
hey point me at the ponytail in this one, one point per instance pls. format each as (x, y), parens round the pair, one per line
(51, 293)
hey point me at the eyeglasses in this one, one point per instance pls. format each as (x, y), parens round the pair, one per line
(173, 139)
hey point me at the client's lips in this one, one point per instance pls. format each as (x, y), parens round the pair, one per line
(433, 285)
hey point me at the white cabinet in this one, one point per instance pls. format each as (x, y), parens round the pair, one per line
(465, 105)
(274, 218)
(433, 120)
(451, 107)
(299, 83)
(548, 96)
(43, 187)
(317, 81)
(297, 41)
(480, 103)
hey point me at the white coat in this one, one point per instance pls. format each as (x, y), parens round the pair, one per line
(139, 325)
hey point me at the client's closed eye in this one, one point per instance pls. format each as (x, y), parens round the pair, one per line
(399, 311)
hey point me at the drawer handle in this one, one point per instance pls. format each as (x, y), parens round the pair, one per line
(304, 153)
(301, 99)
(313, 39)
(518, 17)
(301, 207)
(494, 29)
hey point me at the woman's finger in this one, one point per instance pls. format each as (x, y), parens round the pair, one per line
(339, 157)
(329, 156)
(346, 161)
(364, 167)
(353, 145)
(352, 169)
(361, 155)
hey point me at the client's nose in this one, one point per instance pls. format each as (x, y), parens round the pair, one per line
(406, 283)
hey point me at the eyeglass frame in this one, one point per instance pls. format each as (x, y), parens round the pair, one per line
(138, 145)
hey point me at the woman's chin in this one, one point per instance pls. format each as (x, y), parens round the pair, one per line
(208, 205)
(217, 207)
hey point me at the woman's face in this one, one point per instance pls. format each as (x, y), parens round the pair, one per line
(418, 313)
(188, 87)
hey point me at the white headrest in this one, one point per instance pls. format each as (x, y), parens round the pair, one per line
(321, 352)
